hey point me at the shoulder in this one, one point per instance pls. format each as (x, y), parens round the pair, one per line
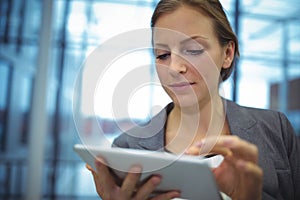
(256, 112)
(260, 125)
(242, 114)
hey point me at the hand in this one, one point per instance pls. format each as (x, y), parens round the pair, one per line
(239, 175)
(107, 188)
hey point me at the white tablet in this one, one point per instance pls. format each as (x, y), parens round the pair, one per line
(189, 174)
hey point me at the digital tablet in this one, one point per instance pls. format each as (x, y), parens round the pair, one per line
(190, 175)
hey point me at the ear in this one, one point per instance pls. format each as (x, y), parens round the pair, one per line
(229, 51)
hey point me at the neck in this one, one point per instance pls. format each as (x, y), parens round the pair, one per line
(201, 115)
(188, 125)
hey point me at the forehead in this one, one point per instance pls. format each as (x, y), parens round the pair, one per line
(185, 20)
(166, 38)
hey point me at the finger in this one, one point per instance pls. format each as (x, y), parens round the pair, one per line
(146, 189)
(89, 167)
(253, 179)
(167, 195)
(230, 164)
(200, 149)
(193, 150)
(250, 169)
(240, 148)
(131, 180)
(104, 182)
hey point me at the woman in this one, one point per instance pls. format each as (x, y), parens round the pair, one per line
(192, 41)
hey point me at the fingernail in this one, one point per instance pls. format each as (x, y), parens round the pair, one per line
(228, 141)
(156, 180)
(175, 194)
(200, 143)
(135, 169)
(98, 162)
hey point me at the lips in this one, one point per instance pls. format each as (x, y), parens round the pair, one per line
(181, 85)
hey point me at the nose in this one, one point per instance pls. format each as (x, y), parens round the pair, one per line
(177, 65)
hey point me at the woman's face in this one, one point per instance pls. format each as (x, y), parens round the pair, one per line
(188, 56)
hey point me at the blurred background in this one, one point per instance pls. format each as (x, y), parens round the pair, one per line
(43, 45)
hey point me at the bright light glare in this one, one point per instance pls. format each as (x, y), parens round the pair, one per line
(108, 84)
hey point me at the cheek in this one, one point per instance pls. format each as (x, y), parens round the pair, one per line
(207, 70)
(162, 74)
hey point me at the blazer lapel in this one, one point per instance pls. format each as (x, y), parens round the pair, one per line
(240, 122)
(155, 132)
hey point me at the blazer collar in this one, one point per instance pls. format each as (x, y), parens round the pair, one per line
(156, 125)
(239, 119)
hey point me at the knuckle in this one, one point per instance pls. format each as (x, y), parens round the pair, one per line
(235, 137)
(254, 150)
(106, 195)
(99, 189)
(100, 192)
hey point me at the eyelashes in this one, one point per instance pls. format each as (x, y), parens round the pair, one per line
(163, 56)
(166, 55)
(194, 52)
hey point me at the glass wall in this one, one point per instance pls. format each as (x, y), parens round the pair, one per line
(267, 76)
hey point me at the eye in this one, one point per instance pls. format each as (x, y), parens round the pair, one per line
(163, 56)
(194, 52)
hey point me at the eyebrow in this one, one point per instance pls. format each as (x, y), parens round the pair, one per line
(185, 40)
(193, 38)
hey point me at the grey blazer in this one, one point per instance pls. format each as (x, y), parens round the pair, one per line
(279, 149)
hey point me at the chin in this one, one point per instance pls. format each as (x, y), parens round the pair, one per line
(186, 101)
